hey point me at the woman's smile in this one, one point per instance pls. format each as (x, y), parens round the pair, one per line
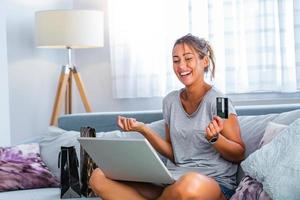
(186, 73)
(185, 76)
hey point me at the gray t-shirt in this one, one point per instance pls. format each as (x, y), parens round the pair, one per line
(192, 152)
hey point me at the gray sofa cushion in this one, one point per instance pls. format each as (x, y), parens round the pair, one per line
(277, 164)
(253, 129)
(50, 147)
(51, 142)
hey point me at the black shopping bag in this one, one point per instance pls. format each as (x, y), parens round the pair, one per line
(87, 165)
(69, 177)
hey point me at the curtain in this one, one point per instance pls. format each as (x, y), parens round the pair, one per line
(256, 43)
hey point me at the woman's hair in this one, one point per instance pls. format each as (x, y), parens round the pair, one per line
(201, 46)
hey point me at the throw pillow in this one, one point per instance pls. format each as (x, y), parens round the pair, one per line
(21, 167)
(159, 127)
(50, 145)
(252, 130)
(272, 130)
(250, 189)
(277, 164)
(253, 127)
(54, 130)
(51, 142)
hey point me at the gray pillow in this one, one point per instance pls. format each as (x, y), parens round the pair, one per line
(50, 145)
(272, 130)
(253, 127)
(158, 127)
(248, 187)
(51, 142)
(252, 130)
(277, 164)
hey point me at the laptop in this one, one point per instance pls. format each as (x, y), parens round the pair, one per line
(127, 159)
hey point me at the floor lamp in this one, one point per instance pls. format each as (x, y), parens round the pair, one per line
(69, 29)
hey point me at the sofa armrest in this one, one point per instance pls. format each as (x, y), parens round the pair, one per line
(104, 121)
(265, 109)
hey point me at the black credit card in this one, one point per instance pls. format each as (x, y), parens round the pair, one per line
(222, 107)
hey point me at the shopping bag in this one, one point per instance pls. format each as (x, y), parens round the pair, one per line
(87, 165)
(69, 177)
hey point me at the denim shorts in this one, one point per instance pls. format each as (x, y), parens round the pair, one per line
(227, 192)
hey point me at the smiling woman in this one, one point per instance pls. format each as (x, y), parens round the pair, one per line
(207, 168)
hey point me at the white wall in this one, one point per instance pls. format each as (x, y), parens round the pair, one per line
(33, 72)
(94, 67)
(4, 100)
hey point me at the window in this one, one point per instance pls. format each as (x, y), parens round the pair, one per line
(256, 43)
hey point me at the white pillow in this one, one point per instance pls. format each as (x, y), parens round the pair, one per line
(50, 145)
(253, 127)
(157, 126)
(54, 130)
(277, 164)
(51, 142)
(272, 130)
(119, 134)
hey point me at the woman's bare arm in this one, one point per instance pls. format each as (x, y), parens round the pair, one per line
(229, 143)
(164, 147)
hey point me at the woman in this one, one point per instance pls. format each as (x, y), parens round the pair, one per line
(203, 147)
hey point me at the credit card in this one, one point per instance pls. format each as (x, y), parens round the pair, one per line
(222, 107)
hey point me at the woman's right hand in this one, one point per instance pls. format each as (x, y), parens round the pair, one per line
(130, 124)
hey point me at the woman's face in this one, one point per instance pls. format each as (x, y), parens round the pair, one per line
(187, 64)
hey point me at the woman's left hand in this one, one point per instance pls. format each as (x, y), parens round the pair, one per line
(214, 127)
(129, 124)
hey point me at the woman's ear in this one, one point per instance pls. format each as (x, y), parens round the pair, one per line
(205, 61)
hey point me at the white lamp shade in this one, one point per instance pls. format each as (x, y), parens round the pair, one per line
(69, 28)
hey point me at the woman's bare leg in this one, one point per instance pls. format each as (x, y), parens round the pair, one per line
(111, 190)
(147, 190)
(193, 186)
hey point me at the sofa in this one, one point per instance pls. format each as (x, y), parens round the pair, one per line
(253, 122)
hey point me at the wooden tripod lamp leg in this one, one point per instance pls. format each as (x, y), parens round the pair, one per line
(80, 87)
(61, 89)
(68, 96)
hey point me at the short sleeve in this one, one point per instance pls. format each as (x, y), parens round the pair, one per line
(231, 109)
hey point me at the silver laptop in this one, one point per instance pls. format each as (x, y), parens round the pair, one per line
(127, 159)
